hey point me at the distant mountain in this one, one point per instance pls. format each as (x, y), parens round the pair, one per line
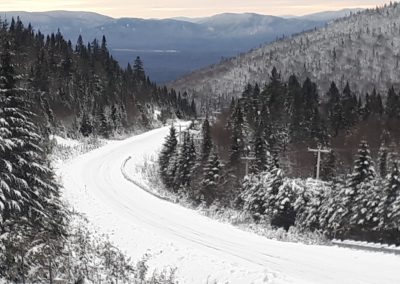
(330, 15)
(362, 49)
(171, 48)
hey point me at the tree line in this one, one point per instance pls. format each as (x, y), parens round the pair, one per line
(80, 88)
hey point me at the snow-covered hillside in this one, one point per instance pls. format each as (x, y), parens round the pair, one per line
(203, 250)
(362, 49)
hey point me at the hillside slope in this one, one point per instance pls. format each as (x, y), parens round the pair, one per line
(170, 48)
(362, 48)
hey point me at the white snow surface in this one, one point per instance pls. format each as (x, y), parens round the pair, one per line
(203, 250)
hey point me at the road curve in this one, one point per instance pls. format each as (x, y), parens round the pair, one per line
(202, 249)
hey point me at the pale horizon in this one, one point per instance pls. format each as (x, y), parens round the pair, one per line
(178, 8)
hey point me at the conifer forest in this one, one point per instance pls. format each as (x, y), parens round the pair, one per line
(278, 165)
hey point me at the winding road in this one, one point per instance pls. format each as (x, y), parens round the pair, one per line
(203, 250)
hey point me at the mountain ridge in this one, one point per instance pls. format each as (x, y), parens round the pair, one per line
(199, 44)
(347, 49)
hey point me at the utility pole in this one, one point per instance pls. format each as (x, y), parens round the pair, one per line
(247, 158)
(319, 151)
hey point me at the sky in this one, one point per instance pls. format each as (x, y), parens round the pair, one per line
(186, 8)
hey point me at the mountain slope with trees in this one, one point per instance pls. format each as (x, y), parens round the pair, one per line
(361, 49)
(263, 166)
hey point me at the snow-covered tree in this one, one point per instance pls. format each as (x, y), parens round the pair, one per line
(211, 180)
(389, 206)
(186, 162)
(168, 151)
(351, 210)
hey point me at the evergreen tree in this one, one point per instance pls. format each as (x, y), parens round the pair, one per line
(383, 161)
(335, 110)
(165, 159)
(211, 180)
(261, 153)
(350, 107)
(237, 140)
(30, 195)
(138, 69)
(86, 127)
(105, 128)
(389, 206)
(186, 163)
(350, 212)
(206, 145)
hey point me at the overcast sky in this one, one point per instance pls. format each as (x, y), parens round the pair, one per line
(188, 8)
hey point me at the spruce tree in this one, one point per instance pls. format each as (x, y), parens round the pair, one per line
(211, 179)
(167, 153)
(186, 163)
(351, 212)
(389, 206)
(32, 184)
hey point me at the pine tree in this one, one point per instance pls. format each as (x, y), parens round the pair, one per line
(211, 179)
(165, 159)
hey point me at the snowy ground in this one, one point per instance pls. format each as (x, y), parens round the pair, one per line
(203, 250)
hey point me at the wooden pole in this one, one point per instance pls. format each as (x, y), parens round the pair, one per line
(319, 151)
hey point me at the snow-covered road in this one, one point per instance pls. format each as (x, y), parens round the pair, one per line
(202, 249)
